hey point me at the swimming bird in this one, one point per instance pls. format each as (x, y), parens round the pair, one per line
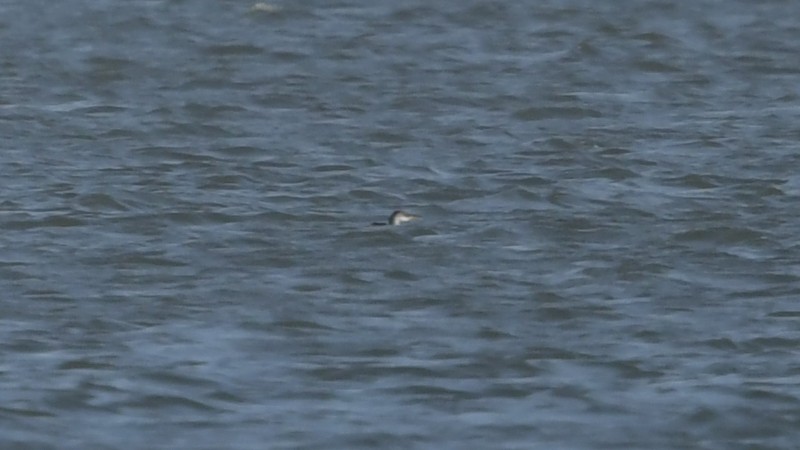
(397, 218)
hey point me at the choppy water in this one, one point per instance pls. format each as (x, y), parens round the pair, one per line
(608, 256)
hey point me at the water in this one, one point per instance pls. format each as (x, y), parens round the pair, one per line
(608, 255)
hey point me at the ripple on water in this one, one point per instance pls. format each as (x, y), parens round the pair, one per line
(606, 257)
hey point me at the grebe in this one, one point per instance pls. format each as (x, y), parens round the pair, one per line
(397, 218)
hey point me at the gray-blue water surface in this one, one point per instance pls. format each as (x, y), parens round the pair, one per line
(608, 254)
